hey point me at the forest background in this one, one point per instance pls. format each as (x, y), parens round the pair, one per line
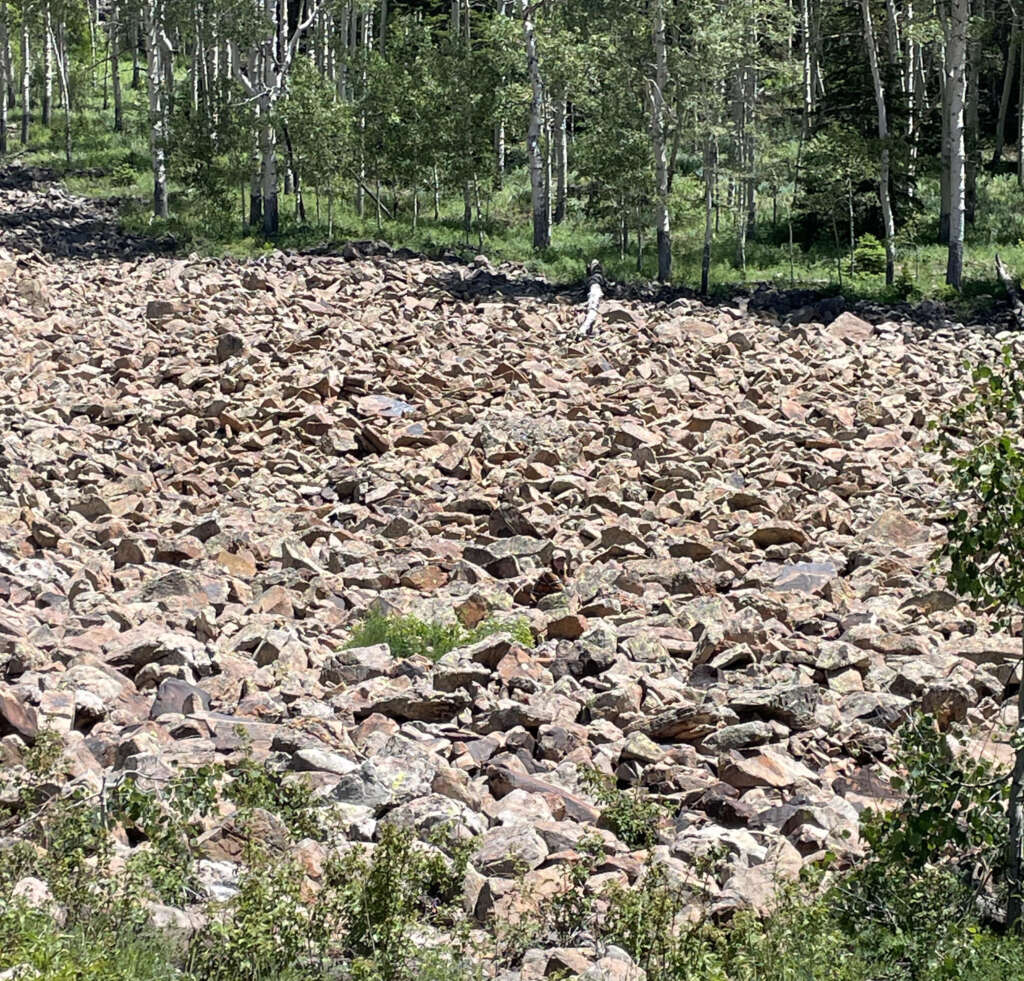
(868, 146)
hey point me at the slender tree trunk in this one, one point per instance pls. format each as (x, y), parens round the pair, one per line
(850, 215)
(255, 186)
(538, 190)
(808, 70)
(657, 87)
(93, 9)
(61, 52)
(115, 66)
(300, 204)
(1004, 101)
(268, 174)
(8, 59)
(883, 137)
(46, 113)
(892, 26)
(972, 136)
(946, 165)
(499, 126)
(913, 96)
(155, 76)
(135, 34)
(5, 54)
(561, 154)
(499, 154)
(750, 138)
(26, 79)
(956, 82)
(710, 166)
(1020, 111)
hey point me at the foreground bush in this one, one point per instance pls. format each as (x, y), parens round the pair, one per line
(917, 908)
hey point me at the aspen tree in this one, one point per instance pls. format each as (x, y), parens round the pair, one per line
(883, 139)
(956, 86)
(656, 93)
(538, 186)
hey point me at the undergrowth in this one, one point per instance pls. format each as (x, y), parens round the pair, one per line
(409, 636)
(914, 909)
(115, 165)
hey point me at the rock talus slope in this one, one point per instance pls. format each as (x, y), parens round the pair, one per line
(718, 524)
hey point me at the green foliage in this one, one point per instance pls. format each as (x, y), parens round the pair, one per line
(1000, 210)
(263, 932)
(869, 255)
(408, 636)
(906, 913)
(982, 444)
(930, 858)
(98, 952)
(123, 175)
(572, 911)
(253, 784)
(952, 810)
(630, 814)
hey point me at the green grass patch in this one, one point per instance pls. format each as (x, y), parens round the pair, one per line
(31, 941)
(408, 636)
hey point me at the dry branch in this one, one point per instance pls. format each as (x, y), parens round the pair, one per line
(595, 292)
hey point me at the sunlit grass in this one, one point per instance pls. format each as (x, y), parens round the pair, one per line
(116, 166)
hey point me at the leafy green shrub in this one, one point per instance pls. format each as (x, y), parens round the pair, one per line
(30, 939)
(254, 784)
(932, 857)
(869, 256)
(123, 175)
(572, 911)
(380, 898)
(263, 932)
(408, 636)
(999, 216)
(630, 814)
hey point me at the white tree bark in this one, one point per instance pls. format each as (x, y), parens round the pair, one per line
(913, 85)
(5, 54)
(561, 155)
(656, 92)
(26, 78)
(1020, 113)
(538, 190)
(46, 114)
(808, 54)
(956, 85)
(158, 49)
(883, 137)
(264, 79)
(59, 45)
(8, 60)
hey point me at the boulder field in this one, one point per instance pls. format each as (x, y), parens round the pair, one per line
(718, 523)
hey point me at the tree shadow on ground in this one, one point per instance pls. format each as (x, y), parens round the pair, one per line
(37, 214)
